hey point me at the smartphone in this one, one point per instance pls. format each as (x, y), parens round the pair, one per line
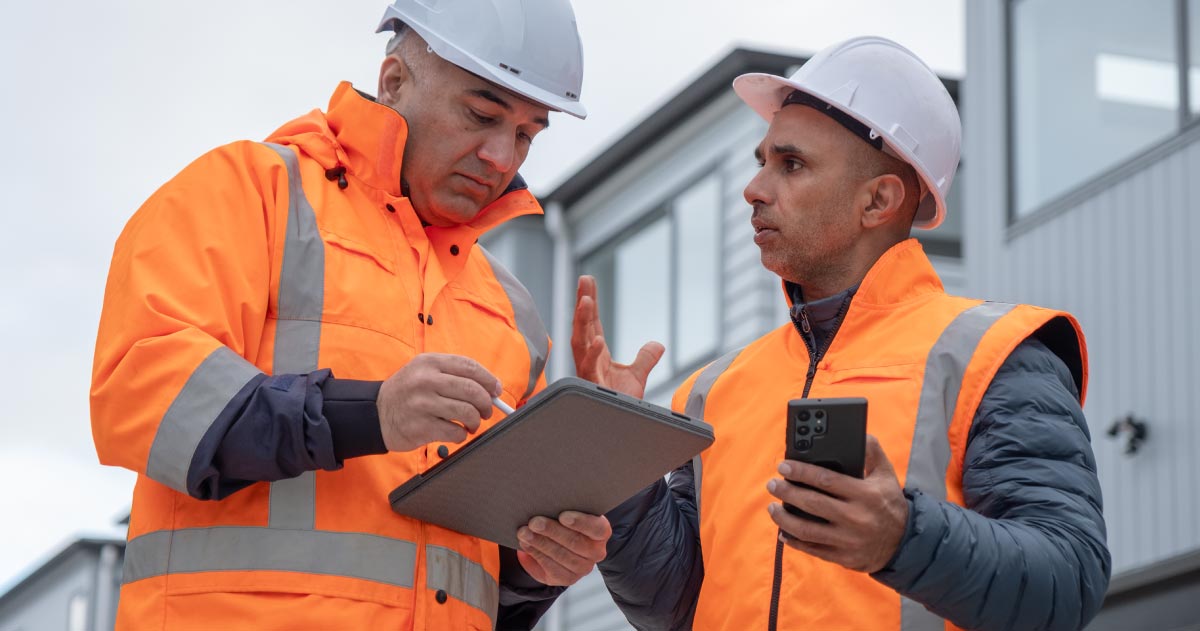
(830, 433)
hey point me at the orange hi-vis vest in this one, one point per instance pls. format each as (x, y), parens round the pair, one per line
(257, 259)
(923, 360)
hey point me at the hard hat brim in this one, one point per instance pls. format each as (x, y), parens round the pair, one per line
(765, 93)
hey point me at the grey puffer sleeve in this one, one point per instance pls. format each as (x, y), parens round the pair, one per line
(1029, 550)
(654, 567)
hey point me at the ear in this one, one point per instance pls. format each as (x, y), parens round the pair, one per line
(885, 200)
(395, 79)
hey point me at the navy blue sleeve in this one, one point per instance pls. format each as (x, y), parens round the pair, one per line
(654, 567)
(1028, 551)
(280, 426)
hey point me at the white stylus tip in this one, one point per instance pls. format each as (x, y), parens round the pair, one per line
(502, 405)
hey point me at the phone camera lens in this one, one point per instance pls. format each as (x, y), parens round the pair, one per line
(803, 444)
(820, 414)
(819, 427)
(804, 415)
(802, 430)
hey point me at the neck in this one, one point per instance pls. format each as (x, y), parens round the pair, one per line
(848, 273)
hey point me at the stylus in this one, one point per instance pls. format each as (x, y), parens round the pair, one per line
(502, 405)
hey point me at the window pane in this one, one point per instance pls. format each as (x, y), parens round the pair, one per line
(696, 213)
(1088, 93)
(641, 289)
(1193, 11)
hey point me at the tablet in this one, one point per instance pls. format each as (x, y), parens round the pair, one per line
(573, 446)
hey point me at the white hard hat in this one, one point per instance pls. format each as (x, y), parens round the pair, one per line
(883, 86)
(530, 47)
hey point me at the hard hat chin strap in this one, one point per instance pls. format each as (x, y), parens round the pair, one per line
(855, 127)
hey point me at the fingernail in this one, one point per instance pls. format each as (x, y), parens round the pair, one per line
(524, 535)
(771, 486)
(771, 509)
(567, 519)
(785, 468)
(538, 525)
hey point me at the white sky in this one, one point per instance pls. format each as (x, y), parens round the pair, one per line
(106, 100)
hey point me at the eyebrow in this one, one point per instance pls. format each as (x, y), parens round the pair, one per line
(498, 100)
(777, 150)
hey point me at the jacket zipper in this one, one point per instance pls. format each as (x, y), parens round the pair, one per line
(804, 328)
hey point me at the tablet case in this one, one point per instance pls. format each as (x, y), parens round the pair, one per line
(573, 446)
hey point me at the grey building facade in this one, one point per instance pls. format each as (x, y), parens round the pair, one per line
(75, 590)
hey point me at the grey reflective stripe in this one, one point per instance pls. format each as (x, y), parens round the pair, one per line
(462, 579)
(348, 554)
(944, 369)
(298, 330)
(915, 617)
(930, 453)
(205, 394)
(698, 398)
(529, 323)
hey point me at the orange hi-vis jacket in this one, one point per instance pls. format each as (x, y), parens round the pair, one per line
(256, 260)
(923, 360)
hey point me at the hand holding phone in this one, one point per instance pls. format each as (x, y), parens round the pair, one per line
(830, 433)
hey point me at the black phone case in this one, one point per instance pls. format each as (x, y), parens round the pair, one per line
(830, 433)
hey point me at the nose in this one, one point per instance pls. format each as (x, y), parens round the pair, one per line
(499, 151)
(756, 191)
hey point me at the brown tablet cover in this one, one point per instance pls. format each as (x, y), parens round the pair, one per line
(573, 446)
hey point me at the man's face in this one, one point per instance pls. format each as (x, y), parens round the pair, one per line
(466, 139)
(805, 220)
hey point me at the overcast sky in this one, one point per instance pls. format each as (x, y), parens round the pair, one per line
(105, 101)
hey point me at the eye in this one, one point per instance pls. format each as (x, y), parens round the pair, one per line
(481, 118)
(792, 164)
(525, 138)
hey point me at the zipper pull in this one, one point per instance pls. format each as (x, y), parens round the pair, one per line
(804, 325)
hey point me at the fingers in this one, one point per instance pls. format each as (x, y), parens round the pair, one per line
(802, 529)
(646, 359)
(876, 460)
(545, 569)
(566, 549)
(462, 400)
(467, 368)
(807, 500)
(594, 527)
(820, 478)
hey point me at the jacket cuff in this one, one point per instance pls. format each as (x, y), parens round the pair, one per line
(897, 573)
(349, 406)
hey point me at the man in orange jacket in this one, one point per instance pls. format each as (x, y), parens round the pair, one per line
(293, 328)
(979, 506)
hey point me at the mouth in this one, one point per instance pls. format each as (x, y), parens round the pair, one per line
(476, 183)
(762, 230)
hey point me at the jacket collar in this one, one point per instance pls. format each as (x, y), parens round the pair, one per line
(902, 274)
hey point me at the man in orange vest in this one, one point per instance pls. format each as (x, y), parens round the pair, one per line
(293, 328)
(979, 507)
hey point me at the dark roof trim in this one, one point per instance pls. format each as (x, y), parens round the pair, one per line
(710, 85)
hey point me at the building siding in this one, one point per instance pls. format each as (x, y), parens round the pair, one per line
(1117, 255)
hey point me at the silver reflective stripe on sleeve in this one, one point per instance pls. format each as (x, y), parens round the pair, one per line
(298, 330)
(217, 549)
(529, 323)
(462, 579)
(698, 398)
(929, 456)
(208, 390)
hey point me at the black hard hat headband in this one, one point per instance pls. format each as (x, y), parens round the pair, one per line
(798, 97)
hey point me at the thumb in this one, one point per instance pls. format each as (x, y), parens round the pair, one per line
(876, 460)
(647, 358)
